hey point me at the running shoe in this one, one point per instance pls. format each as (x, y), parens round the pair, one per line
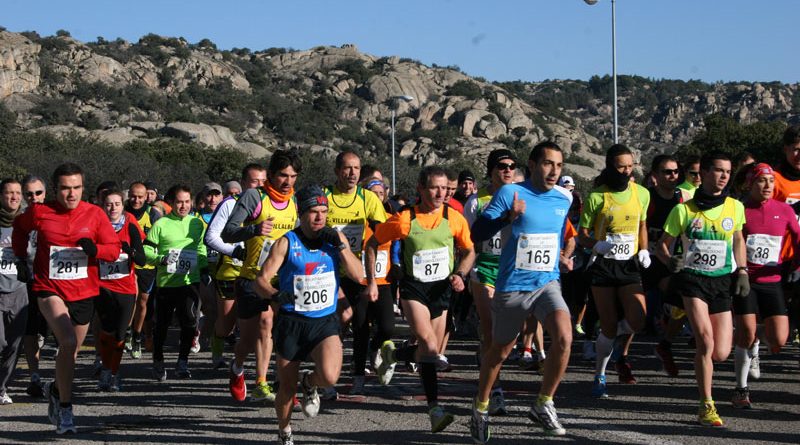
(310, 397)
(128, 340)
(755, 367)
(412, 367)
(97, 366)
(442, 364)
(479, 426)
(261, 393)
(375, 359)
(741, 398)
(285, 438)
(579, 332)
(599, 387)
(546, 416)
(667, 361)
(358, 385)
(328, 393)
(5, 399)
(66, 421)
(439, 419)
(116, 383)
(105, 380)
(296, 406)
(497, 403)
(625, 373)
(159, 371)
(527, 362)
(182, 370)
(52, 403)
(386, 368)
(35, 388)
(195, 343)
(707, 415)
(136, 349)
(237, 385)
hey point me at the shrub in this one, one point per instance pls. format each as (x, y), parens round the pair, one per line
(466, 88)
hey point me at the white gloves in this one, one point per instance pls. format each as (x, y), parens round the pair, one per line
(602, 247)
(644, 258)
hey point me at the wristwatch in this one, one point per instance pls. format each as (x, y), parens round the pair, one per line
(744, 268)
(461, 275)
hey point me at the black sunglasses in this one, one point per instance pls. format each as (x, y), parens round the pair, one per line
(37, 193)
(667, 171)
(504, 166)
(694, 173)
(214, 193)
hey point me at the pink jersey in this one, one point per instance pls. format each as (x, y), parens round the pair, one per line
(770, 225)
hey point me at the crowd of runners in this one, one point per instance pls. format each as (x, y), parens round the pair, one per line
(702, 245)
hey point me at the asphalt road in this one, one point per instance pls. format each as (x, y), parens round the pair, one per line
(657, 409)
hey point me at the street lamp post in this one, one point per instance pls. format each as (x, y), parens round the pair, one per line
(613, 59)
(395, 101)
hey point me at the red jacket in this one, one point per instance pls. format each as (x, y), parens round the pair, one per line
(113, 280)
(69, 275)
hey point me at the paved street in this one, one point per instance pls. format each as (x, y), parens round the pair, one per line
(657, 410)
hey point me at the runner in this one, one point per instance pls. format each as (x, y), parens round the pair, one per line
(527, 281)
(691, 174)
(36, 329)
(500, 168)
(13, 293)
(353, 211)
(306, 261)
(231, 188)
(768, 223)
(253, 177)
(175, 245)
(466, 186)
(431, 233)
(146, 215)
(72, 236)
(117, 290)
(211, 196)
(259, 217)
(613, 226)
(711, 224)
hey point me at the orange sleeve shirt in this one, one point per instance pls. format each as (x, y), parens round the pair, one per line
(569, 231)
(787, 191)
(398, 226)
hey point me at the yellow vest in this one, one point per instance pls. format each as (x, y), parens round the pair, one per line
(257, 247)
(619, 220)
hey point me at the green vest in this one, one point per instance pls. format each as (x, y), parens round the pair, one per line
(428, 254)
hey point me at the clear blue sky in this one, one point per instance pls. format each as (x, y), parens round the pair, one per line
(531, 40)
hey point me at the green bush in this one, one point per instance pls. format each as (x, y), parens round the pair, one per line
(466, 88)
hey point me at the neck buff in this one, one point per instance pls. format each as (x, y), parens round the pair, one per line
(277, 196)
(706, 201)
(788, 171)
(7, 218)
(614, 180)
(118, 225)
(137, 213)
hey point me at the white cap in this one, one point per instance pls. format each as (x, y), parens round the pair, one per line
(566, 180)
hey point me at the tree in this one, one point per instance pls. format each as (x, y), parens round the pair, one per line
(762, 139)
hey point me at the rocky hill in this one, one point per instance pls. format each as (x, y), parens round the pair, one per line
(327, 97)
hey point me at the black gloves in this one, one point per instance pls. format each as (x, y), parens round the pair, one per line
(126, 248)
(205, 277)
(24, 273)
(675, 263)
(331, 236)
(238, 253)
(88, 246)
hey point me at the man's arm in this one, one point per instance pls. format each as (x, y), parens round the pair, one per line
(246, 206)
(213, 238)
(272, 265)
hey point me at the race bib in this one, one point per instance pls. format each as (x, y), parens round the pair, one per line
(492, 245)
(763, 249)
(792, 202)
(8, 262)
(314, 292)
(213, 256)
(354, 234)
(622, 248)
(381, 263)
(265, 252)
(431, 265)
(68, 263)
(115, 270)
(537, 252)
(706, 255)
(187, 260)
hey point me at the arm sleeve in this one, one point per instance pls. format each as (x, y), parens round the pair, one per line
(136, 243)
(460, 231)
(233, 231)
(202, 252)
(396, 250)
(471, 209)
(151, 244)
(23, 224)
(213, 237)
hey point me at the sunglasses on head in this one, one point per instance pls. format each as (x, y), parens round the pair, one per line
(37, 193)
(504, 166)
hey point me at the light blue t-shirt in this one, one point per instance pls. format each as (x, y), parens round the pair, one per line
(529, 258)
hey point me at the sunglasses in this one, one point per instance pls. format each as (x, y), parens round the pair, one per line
(214, 193)
(668, 171)
(694, 173)
(36, 193)
(504, 166)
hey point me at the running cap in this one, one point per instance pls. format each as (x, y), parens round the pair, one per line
(310, 196)
(760, 169)
(566, 180)
(495, 156)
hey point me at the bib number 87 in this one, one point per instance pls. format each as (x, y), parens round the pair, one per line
(538, 256)
(704, 259)
(431, 269)
(315, 297)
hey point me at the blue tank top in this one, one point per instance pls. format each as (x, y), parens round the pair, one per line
(310, 276)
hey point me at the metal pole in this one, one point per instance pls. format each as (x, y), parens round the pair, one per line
(614, 63)
(394, 184)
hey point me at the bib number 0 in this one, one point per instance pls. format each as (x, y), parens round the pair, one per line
(381, 263)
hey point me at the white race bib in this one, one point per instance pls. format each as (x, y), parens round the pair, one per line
(213, 256)
(431, 265)
(265, 252)
(792, 201)
(492, 245)
(314, 292)
(187, 260)
(622, 246)
(537, 252)
(706, 255)
(354, 234)
(381, 263)
(8, 262)
(115, 270)
(763, 249)
(68, 263)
